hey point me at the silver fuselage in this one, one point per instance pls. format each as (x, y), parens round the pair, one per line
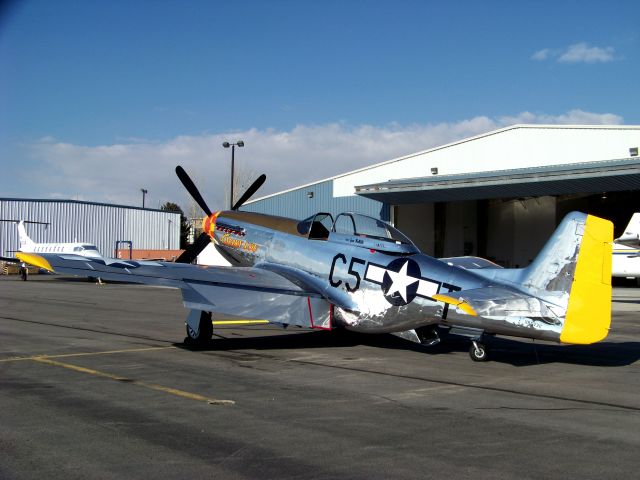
(357, 277)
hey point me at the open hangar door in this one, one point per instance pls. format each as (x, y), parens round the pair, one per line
(508, 215)
(615, 206)
(516, 229)
(508, 231)
(440, 229)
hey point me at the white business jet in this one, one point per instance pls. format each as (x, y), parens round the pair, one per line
(626, 251)
(27, 245)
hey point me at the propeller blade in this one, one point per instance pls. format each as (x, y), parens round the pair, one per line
(250, 191)
(193, 250)
(193, 190)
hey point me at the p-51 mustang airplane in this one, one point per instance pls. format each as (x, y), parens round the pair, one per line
(359, 273)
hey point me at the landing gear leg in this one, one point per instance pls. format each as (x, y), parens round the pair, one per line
(478, 351)
(199, 327)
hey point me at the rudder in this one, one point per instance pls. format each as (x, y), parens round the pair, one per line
(588, 314)
(573, 272)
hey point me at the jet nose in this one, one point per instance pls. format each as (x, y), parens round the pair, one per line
(209, 224)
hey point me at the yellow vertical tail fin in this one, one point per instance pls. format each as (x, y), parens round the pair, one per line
(588, 314)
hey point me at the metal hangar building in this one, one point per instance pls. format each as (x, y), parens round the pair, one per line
(101, 224)
(498, 195)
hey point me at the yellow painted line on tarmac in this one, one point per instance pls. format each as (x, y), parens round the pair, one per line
(239, 322)
(84, 354)
(109, 352)
(152, 386)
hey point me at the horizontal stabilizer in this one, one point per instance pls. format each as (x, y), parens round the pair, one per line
(469, 263)
(498, 302)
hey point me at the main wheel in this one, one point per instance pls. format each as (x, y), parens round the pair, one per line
(205, 330)
(478, 352)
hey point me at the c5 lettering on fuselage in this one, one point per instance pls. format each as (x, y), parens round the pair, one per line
(400, 280)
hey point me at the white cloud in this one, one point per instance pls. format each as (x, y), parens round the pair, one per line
(541, 54)
(576, 53)
(583, 53)
(116, 173)
(572, 117)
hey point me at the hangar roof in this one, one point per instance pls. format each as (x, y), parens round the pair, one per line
(524, 148)
(78, 202)
(603, 176)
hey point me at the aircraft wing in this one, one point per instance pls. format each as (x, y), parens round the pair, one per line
(9, 259)
(628, 240)
(249, 292)
(631, 235)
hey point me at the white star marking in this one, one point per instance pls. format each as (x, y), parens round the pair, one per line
(401, 281)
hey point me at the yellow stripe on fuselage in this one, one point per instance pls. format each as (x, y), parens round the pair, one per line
(36, 260)
(589, 310)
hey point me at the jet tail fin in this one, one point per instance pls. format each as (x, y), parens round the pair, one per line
(631, 235)
(576, 263)
(26, 244)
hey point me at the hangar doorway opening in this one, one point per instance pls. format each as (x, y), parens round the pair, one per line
(508, 231)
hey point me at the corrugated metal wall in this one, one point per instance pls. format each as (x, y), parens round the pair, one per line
(97, 223)
(297, 203)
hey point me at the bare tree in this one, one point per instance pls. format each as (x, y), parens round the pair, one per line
(243, 178)
(194, 215)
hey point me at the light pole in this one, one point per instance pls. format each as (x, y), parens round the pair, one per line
(239, 143)
(144, 192)
(169, 235)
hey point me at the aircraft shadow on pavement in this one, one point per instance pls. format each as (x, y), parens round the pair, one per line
(525, 353)
(294, 341)
(503, 350)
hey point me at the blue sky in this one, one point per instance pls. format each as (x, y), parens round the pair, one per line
(122, 89)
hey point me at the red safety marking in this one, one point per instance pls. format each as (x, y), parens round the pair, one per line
(311, 316)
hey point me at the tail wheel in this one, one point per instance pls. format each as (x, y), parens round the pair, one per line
(478, 352)
(203, 334)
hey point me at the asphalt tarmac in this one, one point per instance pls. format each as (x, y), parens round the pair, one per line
(96, 382)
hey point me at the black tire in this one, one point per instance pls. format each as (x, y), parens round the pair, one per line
(478, 353)
(205, 330)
